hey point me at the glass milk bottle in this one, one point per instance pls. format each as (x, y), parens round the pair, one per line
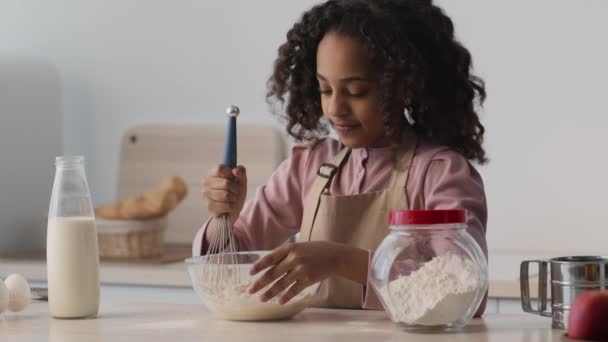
(71, 244)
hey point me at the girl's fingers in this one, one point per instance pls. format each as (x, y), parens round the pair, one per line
(240, 172)
(274, 258)
(269, 277)
(279, 286)
(219, 208)
(220, 196)
(221, 171)
(293, 291)
(217, 183)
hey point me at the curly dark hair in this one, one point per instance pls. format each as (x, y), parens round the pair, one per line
(417, 60)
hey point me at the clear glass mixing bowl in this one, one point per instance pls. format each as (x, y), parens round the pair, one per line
(221, 282)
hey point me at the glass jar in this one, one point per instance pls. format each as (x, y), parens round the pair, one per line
(428, 272)
(72, 250)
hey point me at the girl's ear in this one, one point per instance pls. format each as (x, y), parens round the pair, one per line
(405, 94)
(408, 115)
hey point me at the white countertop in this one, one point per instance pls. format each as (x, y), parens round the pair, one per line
(135, 322)
(503, 272)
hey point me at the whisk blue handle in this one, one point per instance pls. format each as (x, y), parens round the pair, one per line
(229, 156)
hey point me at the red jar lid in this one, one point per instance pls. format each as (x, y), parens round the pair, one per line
(400, 217)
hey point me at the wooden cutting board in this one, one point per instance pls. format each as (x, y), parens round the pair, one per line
(150, 153)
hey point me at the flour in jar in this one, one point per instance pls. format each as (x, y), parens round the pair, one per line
(439, 292)
(236, 304)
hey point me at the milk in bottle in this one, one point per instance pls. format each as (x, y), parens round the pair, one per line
(72, 250)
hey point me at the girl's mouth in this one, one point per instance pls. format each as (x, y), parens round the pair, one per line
(345, 129)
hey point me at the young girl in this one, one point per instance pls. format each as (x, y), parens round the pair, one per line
(390, 78)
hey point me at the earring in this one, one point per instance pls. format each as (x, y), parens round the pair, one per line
(408, 116)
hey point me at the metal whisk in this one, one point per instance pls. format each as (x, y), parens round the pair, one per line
(222, 270)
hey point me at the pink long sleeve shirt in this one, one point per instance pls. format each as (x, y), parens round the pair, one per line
(439, 178)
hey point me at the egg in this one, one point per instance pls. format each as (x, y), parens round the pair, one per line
(19, 292)
(3, 297)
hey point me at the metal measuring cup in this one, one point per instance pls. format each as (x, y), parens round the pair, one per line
(570, 276)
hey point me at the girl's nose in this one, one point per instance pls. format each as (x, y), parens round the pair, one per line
(336, 105)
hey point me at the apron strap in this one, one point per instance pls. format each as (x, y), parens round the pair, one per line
(405, 155)
(325, 174)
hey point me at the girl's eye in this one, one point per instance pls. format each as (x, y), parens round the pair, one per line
(357, 91)
(354, 92)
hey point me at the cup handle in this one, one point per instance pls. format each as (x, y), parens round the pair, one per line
(524, 279)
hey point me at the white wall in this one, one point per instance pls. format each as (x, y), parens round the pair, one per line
(125, 62)
(545, 66)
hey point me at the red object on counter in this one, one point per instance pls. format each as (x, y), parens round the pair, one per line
(588, 319)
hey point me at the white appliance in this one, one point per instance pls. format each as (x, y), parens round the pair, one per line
(30, 138)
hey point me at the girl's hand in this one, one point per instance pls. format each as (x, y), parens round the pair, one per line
(225, 190)
(299, 265)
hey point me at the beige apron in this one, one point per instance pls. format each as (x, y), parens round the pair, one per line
(356, 220)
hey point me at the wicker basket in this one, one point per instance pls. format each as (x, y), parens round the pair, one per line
(131, 238)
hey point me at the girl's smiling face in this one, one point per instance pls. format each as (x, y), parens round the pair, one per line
(350, 97)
